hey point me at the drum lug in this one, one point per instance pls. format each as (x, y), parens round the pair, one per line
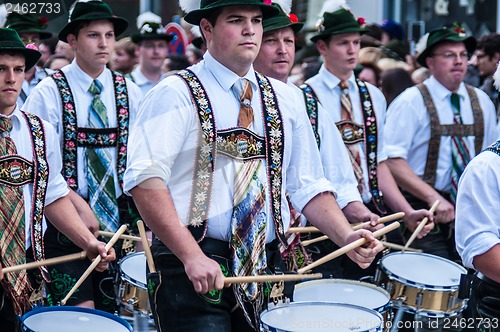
(452, 301)
(418, 300)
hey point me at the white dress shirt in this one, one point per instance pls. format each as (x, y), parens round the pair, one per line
(408, 127)
(325, 85)
(142, 81)
(477, 227)
(164, 141)
(27, 87)
(56, 186)
(45, 101)
(334, 158)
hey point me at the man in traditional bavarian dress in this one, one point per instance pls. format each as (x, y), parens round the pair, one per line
(152, 49)
(32, 29)
(478, 232)
(434, 129)
(215, 150)
(357, 109)
(92, 109)
(31, 186)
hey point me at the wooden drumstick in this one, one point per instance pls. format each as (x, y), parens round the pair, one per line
(394, 216)
(271, 278)
(46, 262)
(96, 261)
(145, 244)
(398, 247)
(421, 225)
(347, 248)
(122, 237)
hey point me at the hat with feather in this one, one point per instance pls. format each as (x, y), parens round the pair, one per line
(284, 19)
(150, 27)
(336, 18)
(198, 9)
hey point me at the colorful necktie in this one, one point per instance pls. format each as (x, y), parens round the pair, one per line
(12, 236)
(353, 149)
(101, 184)
(460, 155)
(248, 224)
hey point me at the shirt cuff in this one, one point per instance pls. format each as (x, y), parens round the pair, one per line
(478, 245)
(302, 196)
(142, 171)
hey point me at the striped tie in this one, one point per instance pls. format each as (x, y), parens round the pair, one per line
(352, 149)
(460, 155)
(248, 224)
(101, 184)
(12, 237)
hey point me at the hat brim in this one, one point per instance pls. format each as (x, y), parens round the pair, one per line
(31, 56)
(296, 26)
(137, 37)
(43, 34)
(470, 45)
(194, 17)
(120, 25)
(332, 31)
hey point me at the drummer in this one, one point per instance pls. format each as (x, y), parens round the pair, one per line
(30, 161)
(204, 224)
(477, 229)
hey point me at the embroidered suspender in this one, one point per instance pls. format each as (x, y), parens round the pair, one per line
(210, 142)
(18, 171)
(495, 147)
(312, 109)
(370, 136)
(437, 130)
(89, 137)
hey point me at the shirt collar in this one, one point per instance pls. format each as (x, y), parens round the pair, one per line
(139, 77)
(441, 92)
(226, 77)
(83, 79)
(16, 117)
(333, 81)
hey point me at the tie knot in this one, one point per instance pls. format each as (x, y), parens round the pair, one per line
(95, 88)
(5, 125)
(344, 86)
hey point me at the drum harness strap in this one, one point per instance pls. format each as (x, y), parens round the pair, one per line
(369, 135)
(438, 130)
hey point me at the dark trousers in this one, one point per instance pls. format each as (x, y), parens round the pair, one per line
(484, 304)
(177, 307)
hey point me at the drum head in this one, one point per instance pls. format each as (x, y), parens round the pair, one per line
(342, 291)
(74, 319)
(430, 271)
(133, 268)
(317, 316)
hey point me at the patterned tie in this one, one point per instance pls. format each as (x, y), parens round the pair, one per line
(353, 149)
(248, 224)
(101, 185)
(460, 155)
(12, 237)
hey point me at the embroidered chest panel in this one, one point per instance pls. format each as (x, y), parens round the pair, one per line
(15, 171)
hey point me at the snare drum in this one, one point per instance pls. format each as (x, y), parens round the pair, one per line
(133, 287)
(422, 283)
(74, 319)
(345, 291)
(320, 316)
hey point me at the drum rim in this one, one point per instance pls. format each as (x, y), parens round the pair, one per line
(298, 303)
(381, 308)
(418, 284)
(129, 279)
(39, 310)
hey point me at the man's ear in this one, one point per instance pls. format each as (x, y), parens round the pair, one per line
(206, 28)
(71, 38)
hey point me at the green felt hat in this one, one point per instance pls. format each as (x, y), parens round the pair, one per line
(28, 23)
(282, 20)
(453, 34)
(206, 6)
(336, 23)
(151, 30)
(92, 11)
(11, 42)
